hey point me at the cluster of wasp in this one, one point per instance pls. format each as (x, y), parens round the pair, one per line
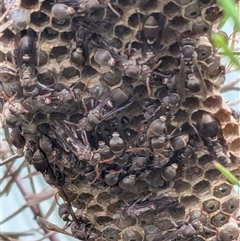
(133, 124)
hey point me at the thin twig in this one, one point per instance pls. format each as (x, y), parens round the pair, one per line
(235, 102)
(233, 37)
(11, 158)
(49, 234)
(14, 214)
(230, 85)
(233, 89)
(34, 208)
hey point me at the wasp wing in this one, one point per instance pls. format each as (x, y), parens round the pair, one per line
(180, 85)
(52, 227)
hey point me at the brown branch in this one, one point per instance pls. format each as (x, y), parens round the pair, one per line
(229, 86)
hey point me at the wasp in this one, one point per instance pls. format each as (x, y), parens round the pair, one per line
(189, 64)
(119, 99)
(145, 204)
(65, 8)
(26, 60)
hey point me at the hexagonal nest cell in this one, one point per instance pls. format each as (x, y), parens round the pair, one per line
(100, 108)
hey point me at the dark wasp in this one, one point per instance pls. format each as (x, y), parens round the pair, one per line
(135, 68)
(65, 100)
(83, 230)
(146, 204)
(210, 131)
(16, 138)
(9, 81)
(13, 113)
(35, 156)
(48, 149)
(195, 224)
(169, 104)
(195, 81)
(38, 103)
(82, 37)
(69, 141)
(159, 140)
(162, 142)
(63, 9)
(78, 144)
(54, 155)
(119, 99)
(26, 60)
(80, 225)
(31, 150)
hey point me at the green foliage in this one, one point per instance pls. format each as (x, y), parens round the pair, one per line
(231, 178)
(231, 12)
(221, 43)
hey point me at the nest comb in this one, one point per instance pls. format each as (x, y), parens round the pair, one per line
(117, 104)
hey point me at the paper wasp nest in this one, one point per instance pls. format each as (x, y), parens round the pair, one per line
(117, 104)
